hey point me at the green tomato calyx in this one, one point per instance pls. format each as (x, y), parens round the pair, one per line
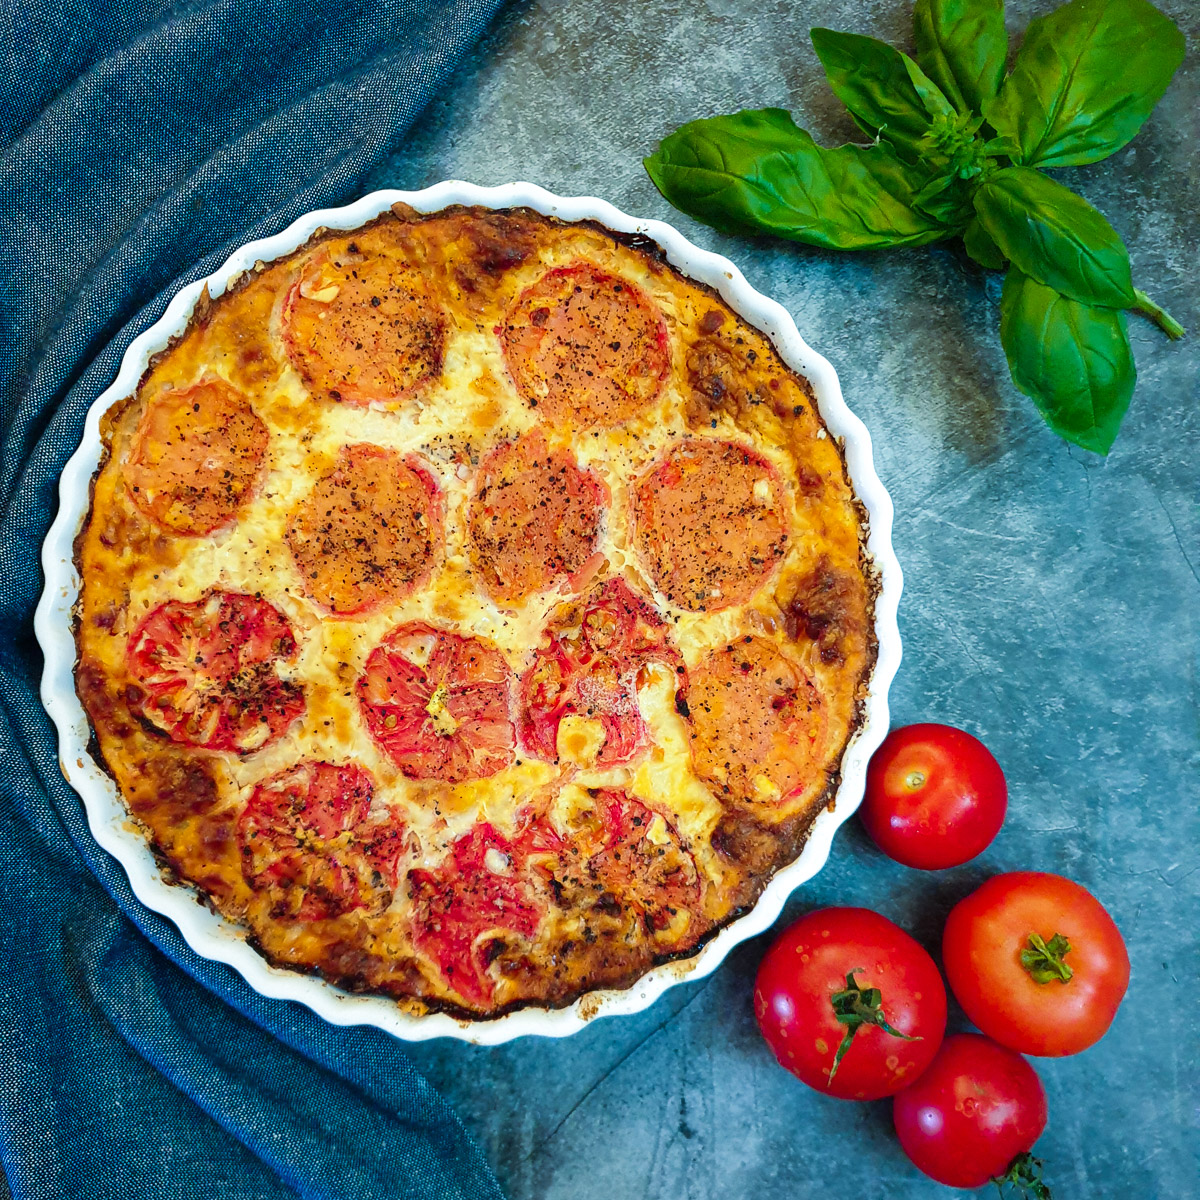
(1024, 1174)
(855, 1007)
(1044, 960)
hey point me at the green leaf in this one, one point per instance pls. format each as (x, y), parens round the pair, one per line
(1086, 77)
(1073, 360)
(947, 199)
(981, 247)
(886, 92)
(1056, 236)
(962, 46)
(757, 172)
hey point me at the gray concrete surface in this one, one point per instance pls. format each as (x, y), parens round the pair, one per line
(1052, 606)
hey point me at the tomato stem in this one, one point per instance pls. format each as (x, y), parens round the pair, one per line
(855, 1007)
(1025, 1174)
(1044, 960)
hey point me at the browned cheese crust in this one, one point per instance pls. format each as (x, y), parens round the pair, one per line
(474, 609)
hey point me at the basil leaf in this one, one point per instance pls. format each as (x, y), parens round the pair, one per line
(1073, 360)
(888, 95)
(757, 172)
(947, 199)
(962, 46)
(981, 247)
(1086, 77)
(1055, 236)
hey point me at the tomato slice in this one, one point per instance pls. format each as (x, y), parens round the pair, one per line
(585, 347)
(309, 841)
(758, 724)
(207, 673)
(534, 518)
(437, 704)
(196, 457)
(363, 330)
(489, 892)
(588, 666)
(368, 531)
(709, 523)
(627, 858)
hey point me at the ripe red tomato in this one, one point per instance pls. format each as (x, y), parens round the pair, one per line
(975, 1109)
(1052, 999)
(935, 796)
(848, 972)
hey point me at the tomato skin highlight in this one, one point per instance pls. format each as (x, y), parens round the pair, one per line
(976, 1107)
(935, 798)
(808, 964)
(981, 949)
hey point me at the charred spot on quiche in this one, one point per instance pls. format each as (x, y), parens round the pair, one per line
(827, 606)
(514, 668)
(585, 347)
(369, 530)
(363, 329)
(534, 518)
(196, 457)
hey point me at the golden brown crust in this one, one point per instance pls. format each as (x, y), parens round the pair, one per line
(597, 841)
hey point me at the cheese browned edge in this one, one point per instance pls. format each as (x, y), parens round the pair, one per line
(725, 377)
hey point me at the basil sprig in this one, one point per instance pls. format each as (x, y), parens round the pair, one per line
(957, 150)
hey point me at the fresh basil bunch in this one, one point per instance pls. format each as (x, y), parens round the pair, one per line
(956, 151)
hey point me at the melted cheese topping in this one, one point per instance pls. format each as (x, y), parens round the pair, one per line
(130, 566)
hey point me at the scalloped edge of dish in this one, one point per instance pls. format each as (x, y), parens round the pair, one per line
(213, 936)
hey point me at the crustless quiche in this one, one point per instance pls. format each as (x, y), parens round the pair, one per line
(474, 609)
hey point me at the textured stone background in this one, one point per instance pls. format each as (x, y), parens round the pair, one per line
(1052, 606)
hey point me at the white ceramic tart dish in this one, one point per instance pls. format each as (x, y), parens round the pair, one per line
(542, 733)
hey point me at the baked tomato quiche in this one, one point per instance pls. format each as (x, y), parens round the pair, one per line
(473, 608)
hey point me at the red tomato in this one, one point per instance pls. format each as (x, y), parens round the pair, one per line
(803, 983)
(1053, 999)
(976, 1108)
(935, 796)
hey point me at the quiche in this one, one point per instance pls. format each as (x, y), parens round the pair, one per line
(474, 609)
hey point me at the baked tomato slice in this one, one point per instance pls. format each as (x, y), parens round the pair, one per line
(310, 842)
(624, 858)
(758, 724)
(584, 347)
(533, 519)
(363, 330)
(709, 523)
(488, 893)
(196, 457)
(437, 704)
(368, 532)
(587, 668)
(207, 672)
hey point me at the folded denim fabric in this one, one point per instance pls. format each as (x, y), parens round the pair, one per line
(140, 142)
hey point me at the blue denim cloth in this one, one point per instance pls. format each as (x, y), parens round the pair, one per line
(140, 141)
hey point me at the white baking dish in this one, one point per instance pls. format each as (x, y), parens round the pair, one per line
(211, 935)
